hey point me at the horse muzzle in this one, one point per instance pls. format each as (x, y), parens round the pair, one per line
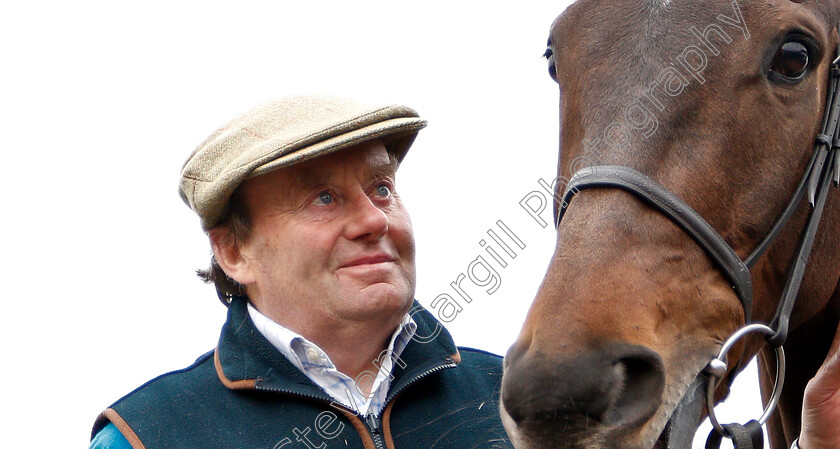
(594, 395)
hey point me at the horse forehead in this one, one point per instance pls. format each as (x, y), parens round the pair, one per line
(665, 20)
(610, 29)
(627, 39)
(609, 50)
(639, 15)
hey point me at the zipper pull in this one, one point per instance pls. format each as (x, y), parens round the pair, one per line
(373, 423)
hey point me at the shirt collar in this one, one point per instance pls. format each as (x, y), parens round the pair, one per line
(304, 353)
(245, 360)
(313, 362)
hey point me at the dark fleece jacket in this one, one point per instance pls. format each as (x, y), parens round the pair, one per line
(246, 394)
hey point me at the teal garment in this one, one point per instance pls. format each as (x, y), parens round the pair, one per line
(247, 395)
(109, 438)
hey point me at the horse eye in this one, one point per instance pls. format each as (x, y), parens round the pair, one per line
(549, 56)
(791, 60)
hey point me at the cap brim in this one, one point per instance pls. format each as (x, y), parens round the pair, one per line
(397, 135)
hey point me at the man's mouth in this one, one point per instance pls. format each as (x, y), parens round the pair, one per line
(368, 260)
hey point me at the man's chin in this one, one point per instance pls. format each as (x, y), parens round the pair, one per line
(381, 301)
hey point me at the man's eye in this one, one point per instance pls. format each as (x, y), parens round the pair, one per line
(324, 198)
(383, 190)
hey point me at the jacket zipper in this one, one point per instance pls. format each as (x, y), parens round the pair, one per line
(372, 422)
(260, 385)
(393, 394)
(374, 425)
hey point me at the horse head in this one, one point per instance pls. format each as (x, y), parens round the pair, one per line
(719, 102)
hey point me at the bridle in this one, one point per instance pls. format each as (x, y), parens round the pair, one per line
(822, 169)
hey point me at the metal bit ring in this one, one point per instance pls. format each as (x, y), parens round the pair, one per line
(717, 368)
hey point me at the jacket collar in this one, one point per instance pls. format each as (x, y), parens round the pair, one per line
(245, 360)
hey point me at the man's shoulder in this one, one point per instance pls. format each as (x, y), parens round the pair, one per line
(457, 407)
(477, 370)
(174, 386)
(193, 376)
(480, 359)
(480, 355)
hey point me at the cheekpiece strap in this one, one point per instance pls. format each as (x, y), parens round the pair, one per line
(747, 436)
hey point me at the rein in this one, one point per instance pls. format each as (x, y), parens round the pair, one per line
(823, 169)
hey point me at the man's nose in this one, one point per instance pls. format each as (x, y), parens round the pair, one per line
(366, 220)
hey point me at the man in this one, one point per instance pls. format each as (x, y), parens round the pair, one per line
(314, 256)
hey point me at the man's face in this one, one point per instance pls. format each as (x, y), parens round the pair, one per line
(330, 238)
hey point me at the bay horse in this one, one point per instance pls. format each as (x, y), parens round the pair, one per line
(716, 103)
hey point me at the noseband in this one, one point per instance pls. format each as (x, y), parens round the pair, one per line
(822, 169)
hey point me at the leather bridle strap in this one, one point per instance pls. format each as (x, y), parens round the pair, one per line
(747, 436)
(673, 207)
(824, 142)
(822, 170)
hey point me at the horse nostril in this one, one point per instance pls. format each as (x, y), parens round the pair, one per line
(616, 385)
(643, 380)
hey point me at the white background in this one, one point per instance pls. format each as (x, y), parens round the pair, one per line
(103, 101)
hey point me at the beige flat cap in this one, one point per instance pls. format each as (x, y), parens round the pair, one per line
(285, 132)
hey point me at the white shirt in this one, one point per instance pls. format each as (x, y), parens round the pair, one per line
(318, 367)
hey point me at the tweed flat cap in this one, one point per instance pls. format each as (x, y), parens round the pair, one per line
(285, 132)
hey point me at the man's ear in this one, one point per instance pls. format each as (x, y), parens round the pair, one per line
(229, 256)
